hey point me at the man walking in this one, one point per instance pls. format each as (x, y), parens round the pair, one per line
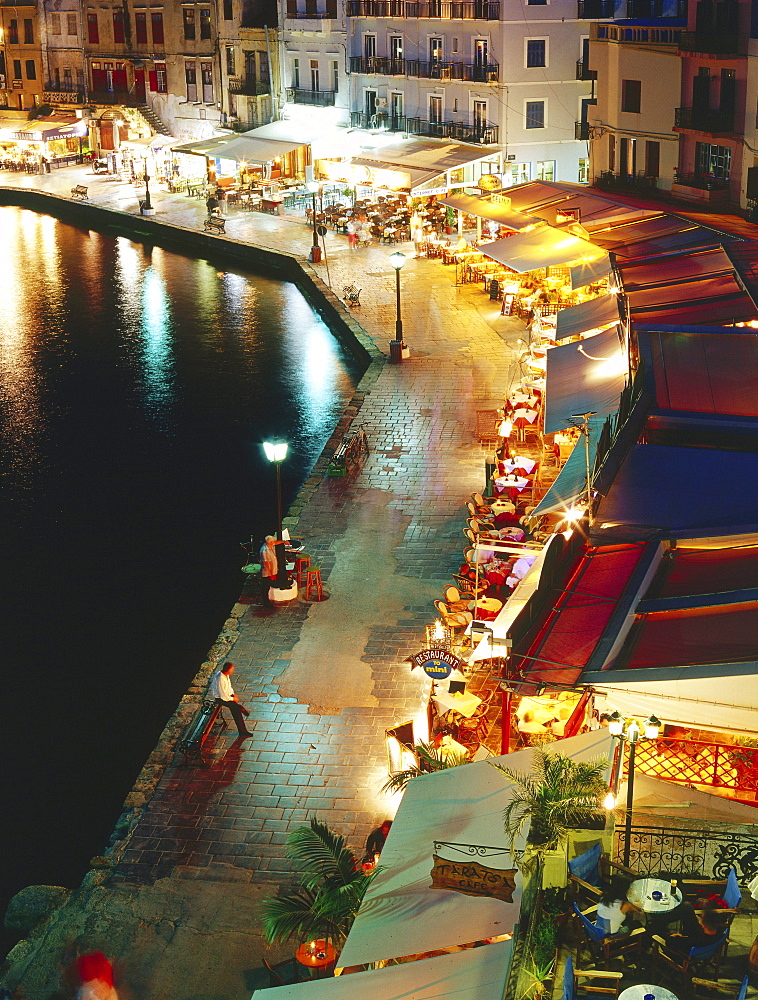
(221, 689)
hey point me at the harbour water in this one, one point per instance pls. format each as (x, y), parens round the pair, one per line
(136, 388)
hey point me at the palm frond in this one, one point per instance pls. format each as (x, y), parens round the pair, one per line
(321, 855)
(290, 914)
(430, 759)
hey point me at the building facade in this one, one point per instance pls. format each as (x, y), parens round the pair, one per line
(21, 65)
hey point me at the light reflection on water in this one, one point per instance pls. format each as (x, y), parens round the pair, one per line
(136, 386)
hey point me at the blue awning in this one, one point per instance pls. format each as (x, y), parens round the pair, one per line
(586, 376)
(572, 479)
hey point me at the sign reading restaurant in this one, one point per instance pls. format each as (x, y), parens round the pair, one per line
(436, 663)
(473, 879)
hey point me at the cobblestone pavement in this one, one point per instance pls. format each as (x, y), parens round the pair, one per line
(386, 540)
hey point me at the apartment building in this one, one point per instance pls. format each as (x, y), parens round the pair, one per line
(479, 71)
(248, 43)
(21, 66)
(65, 79)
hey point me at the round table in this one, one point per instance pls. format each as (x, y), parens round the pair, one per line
(640, 893)
(308, 955)
(489, 605)
(645, 989)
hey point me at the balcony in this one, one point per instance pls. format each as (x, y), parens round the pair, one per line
(643, 9)
(318, 98)
(248, 87)
(445, 10)
(705, 120)
(589, 9)
(710, 43)
(638, 34)
(483, 133)
(582, 131)
(55, 92)
(583, 72)
(466, 72)
(701, 188)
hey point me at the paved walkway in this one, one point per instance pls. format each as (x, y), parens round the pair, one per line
(179, 910)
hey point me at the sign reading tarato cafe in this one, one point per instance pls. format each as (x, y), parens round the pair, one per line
(436, 663)
(473, 879)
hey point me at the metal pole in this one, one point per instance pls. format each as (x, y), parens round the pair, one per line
(147, 204)
(315, 224)
(505, 722)
(398, 321)
(281, 559)
(629, 801)
(587, 463)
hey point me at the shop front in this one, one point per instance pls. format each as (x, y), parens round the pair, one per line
(42, 144)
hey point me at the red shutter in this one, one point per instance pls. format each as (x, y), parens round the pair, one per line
(153, 80)
(157, 20)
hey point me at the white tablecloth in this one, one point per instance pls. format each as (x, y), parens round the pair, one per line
(464, 704)
(640, 893)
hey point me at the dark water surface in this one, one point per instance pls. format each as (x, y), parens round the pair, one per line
(136, 386)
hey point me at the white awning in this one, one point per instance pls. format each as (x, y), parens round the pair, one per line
(474, 974)
(423, 159)
(584, 377)
(595, 314)
(446, 813)
(325, 140)
(240, 148)
(495, 211)
(544, 247)
(591, 270)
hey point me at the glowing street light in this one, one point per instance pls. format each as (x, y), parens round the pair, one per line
(276, 452)
(628, 731)
(397, 346)
(315, 258)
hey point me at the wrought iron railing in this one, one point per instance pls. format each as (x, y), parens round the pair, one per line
(466, 10)
(638, 9)
(691, 762)
(250, 88)
(114, 97)
(706, 854)
(704, 119)
(386, 66)
(588, 9)
(712, 43)
(703, 182)
(583, 72)
(319, 98)
(461, 131)
(582, 131)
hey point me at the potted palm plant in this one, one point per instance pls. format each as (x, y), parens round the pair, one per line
(329, 889)
(429, 758)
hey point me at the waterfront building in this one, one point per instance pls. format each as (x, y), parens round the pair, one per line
(21, 67)
(248, 42)
(64, 78)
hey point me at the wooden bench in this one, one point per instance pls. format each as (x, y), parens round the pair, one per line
(348, 454)
(80, 191)
(215, 224)
(352, 295)
(196, 733)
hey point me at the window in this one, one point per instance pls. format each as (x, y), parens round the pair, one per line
(205, 22)
(544, 170)
(515, 173)
(55, 24)
(535, 114)
(314, 76)
(263, 73)
(652, 158)
(118, 26)
(536, 3)
(206, 75)
(713, 161)
(369, 46)
(190, 76)
(31, 70)
(480, 114)
(335, 75)
(156, 19)
(631, 91)
(536, 52)
(584, 171)
(230, 60)
(71, 28)
(396, 46)
(435, 110)
(16, 69)
(140, 25)
(160, 78)
(228, 14)
(296, 74)
(188, 14)
(396, 104)
(435, 50)
(13, 31)
(611, 152)
(93, 35)
(28, 31)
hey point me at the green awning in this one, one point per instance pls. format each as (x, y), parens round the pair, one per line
(571, 482)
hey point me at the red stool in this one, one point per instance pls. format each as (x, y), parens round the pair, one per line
(302, 562)
(313, 588)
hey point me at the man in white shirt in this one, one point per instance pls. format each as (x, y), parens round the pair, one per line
(221, 689)
(520, 568)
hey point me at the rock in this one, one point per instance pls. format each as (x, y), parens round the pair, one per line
(33, 904)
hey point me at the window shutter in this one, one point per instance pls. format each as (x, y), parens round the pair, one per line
(153, 80)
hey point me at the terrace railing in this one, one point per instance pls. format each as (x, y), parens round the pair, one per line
(690, 762)
(706, 854)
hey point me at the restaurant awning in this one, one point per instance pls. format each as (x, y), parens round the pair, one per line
(571, 481)
(496, 211)
(446, 813)
(594, 314)
(473, 974)
(46, 131)
(240, 148)
(423, 159)
(584, 377)
(543, 247)
(591, 270)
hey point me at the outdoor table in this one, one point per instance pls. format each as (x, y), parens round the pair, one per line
(464, 704)
(529, 416)
(516, 483)
(645, 990)
(450, 746)
(502, 507)
(488, 607)
(308, 955)
(518, 462)
(640, 893)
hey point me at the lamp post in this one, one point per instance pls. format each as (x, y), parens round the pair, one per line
(397, 347)
(276, 452)
(628, 731)
(146, 204)
(315, 256)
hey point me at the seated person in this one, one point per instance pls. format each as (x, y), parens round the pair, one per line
(698, 929)
(615, 914)
(519, 568)
(528, 724)
(376, 839)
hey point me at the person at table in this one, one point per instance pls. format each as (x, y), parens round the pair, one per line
(520, 568)
(698, 930)
(615, 914)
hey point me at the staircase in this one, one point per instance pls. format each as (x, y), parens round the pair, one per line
(152, 120)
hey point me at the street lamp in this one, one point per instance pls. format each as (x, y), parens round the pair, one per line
(315, 257)
(397, 346)
(628, 731)
(276, 452)
(146, 204)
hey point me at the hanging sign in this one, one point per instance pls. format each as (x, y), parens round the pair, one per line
(436, 663)
(473, 879)
(490, 182)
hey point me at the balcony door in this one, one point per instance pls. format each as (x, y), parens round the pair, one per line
(250, 74)
(206, 77)
(396, 109)
(369, 104)
(701, 90)
(435, 115)
(314, 77)
(396, 53)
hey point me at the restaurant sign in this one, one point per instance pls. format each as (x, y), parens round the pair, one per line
(473, 879)
(490, 182)
(436, 663)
